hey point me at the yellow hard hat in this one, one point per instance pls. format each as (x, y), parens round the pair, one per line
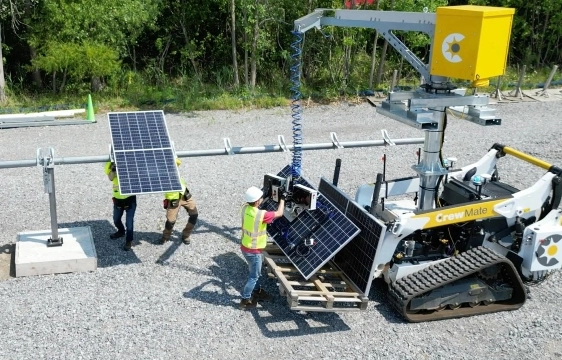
(178, 161)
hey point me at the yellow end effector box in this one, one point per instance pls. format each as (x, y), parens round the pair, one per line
(471, 42)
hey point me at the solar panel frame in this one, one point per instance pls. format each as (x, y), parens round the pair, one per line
(327, 225)
(143, 153)
(357, 258)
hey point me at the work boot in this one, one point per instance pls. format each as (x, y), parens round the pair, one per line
(261, 295)
(186, 233)
(117, 235)
(165, 238)
(246, 304)
(168, 228)
(128, 245)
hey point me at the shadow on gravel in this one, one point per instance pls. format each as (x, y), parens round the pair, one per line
(273, 318)
(202, 227)
(110, 252)
(7, 261)
(379, 295)
(230, 233)
(276, 320)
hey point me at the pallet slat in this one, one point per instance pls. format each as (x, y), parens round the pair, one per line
(328, 290)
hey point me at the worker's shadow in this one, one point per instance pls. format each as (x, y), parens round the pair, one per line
(202, 227)
(274, 318)
(230, 233)
(110, 252)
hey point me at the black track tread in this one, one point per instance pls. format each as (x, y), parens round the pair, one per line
(454, 268)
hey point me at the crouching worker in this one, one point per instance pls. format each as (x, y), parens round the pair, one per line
(173, 201)
(254, 238)
(121, 204)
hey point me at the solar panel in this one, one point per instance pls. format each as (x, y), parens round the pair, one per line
(143, 153)
(328, 226)
(357, 258)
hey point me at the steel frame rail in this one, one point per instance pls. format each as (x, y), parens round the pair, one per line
(46, 159)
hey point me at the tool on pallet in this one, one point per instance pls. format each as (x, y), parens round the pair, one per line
(451, 242)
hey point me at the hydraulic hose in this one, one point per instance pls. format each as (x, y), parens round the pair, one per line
(296, 109)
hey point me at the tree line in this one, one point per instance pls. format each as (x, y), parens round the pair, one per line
(62, 46)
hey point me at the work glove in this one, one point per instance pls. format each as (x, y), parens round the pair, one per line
(165, 203)
(113, 168)
(285, 195)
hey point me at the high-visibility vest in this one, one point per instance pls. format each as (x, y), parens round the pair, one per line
(116, 192)
(254, 230)
(176, 195)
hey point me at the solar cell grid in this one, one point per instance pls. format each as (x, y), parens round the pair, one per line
(143, 153)
(327, 225)
(356, 259)
(139, 130)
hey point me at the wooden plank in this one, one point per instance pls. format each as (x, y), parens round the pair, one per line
(322, 309)
(322, 289)
(325, 292)
(312, 292)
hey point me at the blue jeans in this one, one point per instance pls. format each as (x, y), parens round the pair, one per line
(254, 265)
(118, 214)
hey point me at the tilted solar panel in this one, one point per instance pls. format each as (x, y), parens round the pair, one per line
(139, 130)
(329, 228)
(357, 258)
(143, 153)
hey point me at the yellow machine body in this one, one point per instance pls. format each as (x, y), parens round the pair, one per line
(471, 42)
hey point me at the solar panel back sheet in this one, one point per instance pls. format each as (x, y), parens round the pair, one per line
(327, 225)
(143, 153)
(357, 258)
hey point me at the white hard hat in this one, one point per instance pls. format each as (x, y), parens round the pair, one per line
(253, 194)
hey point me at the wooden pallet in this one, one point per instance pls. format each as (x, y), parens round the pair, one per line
(328, 290)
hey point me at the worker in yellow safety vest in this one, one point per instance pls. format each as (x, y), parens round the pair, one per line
(254, 238)
(121, 204)
(173, 201)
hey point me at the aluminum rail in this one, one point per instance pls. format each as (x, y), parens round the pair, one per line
(46, 158)
(335, 144)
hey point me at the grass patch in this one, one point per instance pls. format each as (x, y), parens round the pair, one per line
(178, 95)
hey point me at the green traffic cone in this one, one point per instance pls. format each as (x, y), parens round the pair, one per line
(90, 110)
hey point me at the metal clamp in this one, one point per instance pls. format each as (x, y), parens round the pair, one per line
(335, 140)
(111, 154)
(386, 138)
(282, 144)
(45, 158)
(228, 146)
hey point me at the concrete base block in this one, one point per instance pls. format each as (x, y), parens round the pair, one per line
(76, 254)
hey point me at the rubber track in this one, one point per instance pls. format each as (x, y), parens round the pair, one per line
(470, 262)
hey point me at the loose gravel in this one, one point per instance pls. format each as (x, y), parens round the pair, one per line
(180, 302)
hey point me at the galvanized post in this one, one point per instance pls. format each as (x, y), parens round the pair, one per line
(544, 91)
(47, 160)
(393, 83)
(517, 92)
(430, 168)
(498, 93)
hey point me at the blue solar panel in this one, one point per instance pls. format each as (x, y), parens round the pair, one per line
(139, 130)
(328, 226)
(143, 153)
(357, 258)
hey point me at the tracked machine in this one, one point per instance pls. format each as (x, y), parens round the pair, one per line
(450, 242)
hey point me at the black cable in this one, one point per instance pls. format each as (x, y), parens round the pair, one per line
(436, 192)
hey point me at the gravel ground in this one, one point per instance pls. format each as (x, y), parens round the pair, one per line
(176, 301)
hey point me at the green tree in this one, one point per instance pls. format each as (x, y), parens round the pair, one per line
(96, 26)
(11, 11)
